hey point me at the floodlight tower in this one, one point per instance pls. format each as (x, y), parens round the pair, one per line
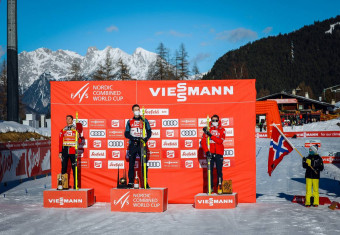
(12, 62)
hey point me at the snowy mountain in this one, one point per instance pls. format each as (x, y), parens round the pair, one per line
(37, 68)
(37, 96)
(58, 63)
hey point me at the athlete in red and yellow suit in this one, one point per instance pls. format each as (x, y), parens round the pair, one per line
(67, 143)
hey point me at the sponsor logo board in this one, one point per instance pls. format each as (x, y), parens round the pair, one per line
(97, 133)
(169, 143)
(189, 153)
(115, 164)
(188, 133)
(188, 122)
(97, 153)
(97, 123)
(115, 143)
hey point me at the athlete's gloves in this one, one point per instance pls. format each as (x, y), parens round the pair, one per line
(205, 130)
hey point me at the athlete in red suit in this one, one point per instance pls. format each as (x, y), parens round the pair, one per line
(217, 135)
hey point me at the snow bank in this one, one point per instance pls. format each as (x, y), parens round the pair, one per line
(10, 126)
(330, 125)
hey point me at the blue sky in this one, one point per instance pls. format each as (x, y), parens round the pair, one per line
(208, 29)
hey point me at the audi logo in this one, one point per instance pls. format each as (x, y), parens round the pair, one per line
(188, 132)
(115, 144)
(170, 123)
(97, 133)
(154, 164)
(228, 152)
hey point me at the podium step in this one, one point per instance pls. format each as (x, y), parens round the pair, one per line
(216, 201)
(139, 200)
(71, 198)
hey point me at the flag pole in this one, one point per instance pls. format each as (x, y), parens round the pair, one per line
(292, 145)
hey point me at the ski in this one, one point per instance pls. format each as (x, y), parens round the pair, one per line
(208, 158)
(76, 157)
(143, 149)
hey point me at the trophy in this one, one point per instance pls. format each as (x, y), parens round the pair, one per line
(121, 182)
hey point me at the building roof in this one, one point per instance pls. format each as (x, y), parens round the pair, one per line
(296, 97)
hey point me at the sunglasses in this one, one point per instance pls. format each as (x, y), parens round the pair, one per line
(214, 120)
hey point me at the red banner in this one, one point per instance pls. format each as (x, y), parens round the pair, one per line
(304, 134)
(177, 112)
(20, 160)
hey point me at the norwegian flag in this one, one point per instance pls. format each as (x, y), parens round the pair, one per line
(279, 147)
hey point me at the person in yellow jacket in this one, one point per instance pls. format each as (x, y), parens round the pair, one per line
(313, 160)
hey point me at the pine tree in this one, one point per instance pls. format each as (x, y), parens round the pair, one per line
(195, 71)
(183, 63)
(160, 68)
(104, 72)
(123, 71)
(75, 71)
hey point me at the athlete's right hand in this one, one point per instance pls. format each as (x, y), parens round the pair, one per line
(208, 154)
(61, 156)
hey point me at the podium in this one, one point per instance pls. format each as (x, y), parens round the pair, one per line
(139, 200)
(71, 198)
(216, 201)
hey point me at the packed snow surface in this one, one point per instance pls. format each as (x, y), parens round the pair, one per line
(22, 212)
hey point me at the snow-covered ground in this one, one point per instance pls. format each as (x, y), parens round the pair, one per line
(10, 126)
(22, 212)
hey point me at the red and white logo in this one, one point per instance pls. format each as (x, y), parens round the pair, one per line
(169, 143)
(202, 122)
(115, 164)
(188, 153)
(228, 142)
(227, 122)
(154, 153)
(152, 123)
(229, 131)
(170, 153)
(98, 164)
(171, 164)
(152, 143)
(156, 133)
(98, 123)
(189, 164)
(97, 144)
(97, 153)
(170, 133)
(115, 133)
(226, 163)
(157, 112)
(188, 122)
(114, 123)
(188, 143)
(115, 154)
